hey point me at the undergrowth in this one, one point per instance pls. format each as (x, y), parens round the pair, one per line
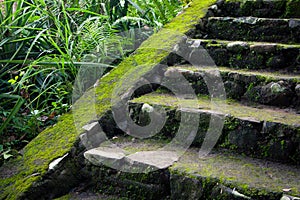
(46, 45)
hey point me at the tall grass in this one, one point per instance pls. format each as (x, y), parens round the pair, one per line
(44, 43)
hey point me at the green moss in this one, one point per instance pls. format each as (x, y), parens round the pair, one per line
(247, 176)
(260, 75)
(66, 197)
(56, 141)
(252, 94)
(215, 45)
(293, 8)
(229, 107)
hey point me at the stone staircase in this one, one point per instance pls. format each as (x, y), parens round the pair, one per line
(241, 145)
(213, 114)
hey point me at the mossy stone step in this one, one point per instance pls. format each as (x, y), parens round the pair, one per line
(251, 85)
(260, 132)
(133, 177)
(263, 8)
(227, 176)
(253, 29)
(194, 177)
(250, 55)
(89, 195)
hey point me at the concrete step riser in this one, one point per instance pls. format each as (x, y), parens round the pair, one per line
(186, 186)
(171, 184)
(271, 9)
(153, 185)
(270, 140)
(268, 90)
(253, 55)
(220, 175)
(252, 29)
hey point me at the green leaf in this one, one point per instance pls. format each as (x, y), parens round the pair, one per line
(14, 111)
(136, 7)
(12, 81)
(6, 155)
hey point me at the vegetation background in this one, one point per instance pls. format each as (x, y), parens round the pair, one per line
(46, 44)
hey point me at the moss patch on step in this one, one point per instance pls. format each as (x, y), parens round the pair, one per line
(225, 42)
(229, 107)
(57, 140)
(251, 177)
(132, 145)
(293, 8)
(263, 76)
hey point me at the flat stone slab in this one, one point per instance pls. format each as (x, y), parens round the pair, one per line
(105, 155)
(263, 48)
(139, 161)
(157, 159)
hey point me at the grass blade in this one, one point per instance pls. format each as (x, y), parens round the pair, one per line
(14, 111)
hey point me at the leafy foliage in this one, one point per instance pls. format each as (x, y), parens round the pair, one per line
(46, 44)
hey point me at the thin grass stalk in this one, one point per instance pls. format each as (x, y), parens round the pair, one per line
(14, 111)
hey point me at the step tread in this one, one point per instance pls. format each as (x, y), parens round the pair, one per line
(247, 72)
(228, 168)
(89, 195)
(220, 41)
(258, 18)
(259, 113)
(240, 171)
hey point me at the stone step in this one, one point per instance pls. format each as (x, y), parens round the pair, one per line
(140, 173)
(263, 8)
(250, 55)
(254, 86)
(260, 132)
(251, 29)
(226, 176)
(88, 195)
(220, 175)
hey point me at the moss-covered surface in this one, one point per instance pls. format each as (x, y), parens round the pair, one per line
(223, 43)
(259, 29)
(293, 8)
(249, 85)
(262, 132)
(131, 145)
(146, 185)
(279, 8)
(251, 177)
(89, 195)
(263, 76)
(252, 55)
(19, 175)
(33, 164)
(230, 107)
